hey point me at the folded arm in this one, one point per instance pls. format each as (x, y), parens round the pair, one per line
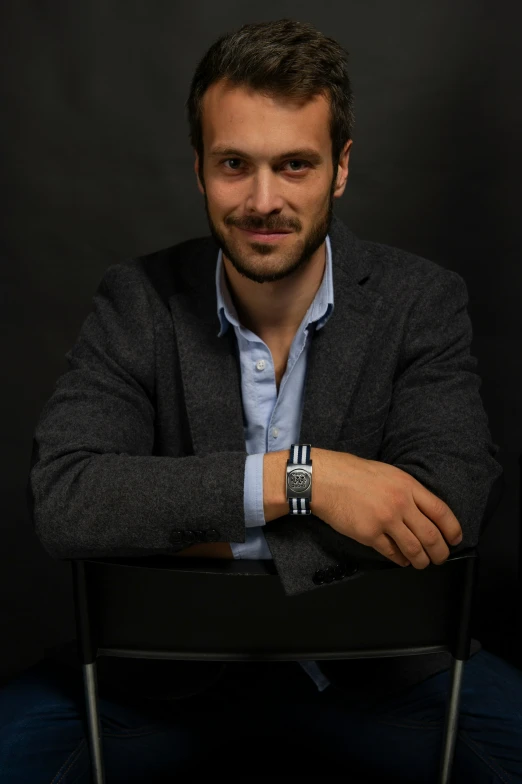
(436, 432)
(95, 489)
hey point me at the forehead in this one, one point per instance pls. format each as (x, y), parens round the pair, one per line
(238, 115)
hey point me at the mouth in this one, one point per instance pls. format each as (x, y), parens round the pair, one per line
(262, 235)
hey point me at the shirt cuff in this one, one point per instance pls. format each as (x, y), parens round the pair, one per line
(254, 506)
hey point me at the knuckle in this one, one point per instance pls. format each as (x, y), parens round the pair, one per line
(399, 497)
(372, 536)
(439, 507)
(386, 517)
(431, 536)
(413, 549)
(410, 481)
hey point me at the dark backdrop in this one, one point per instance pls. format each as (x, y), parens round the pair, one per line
(97, 166)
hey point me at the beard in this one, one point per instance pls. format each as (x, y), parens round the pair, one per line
(290, 261)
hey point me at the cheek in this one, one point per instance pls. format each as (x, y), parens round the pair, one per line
(313, 193)
(314, 202)
(223, 199)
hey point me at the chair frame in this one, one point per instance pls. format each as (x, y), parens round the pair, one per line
(95, 578)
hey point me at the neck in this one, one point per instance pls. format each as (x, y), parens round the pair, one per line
(275, 309)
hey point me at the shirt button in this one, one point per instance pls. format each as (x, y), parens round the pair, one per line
(261, 364)
(275, 432)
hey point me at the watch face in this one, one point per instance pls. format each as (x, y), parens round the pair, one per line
(299, 481)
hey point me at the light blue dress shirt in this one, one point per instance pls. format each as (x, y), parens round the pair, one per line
(272, 420)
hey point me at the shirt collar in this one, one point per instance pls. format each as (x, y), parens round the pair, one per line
(319, 311)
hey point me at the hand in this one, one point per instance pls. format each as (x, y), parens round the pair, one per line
(382, 507)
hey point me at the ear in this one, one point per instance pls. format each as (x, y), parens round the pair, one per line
(342, 169)
(198, 178)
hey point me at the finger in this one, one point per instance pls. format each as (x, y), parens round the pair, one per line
(385, 545)
(438, 512)
(409, 545)
(430, 537)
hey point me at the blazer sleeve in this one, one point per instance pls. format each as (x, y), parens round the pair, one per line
(437, 428)
(95, 489)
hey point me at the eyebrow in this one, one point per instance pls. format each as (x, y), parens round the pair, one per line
(305, 152)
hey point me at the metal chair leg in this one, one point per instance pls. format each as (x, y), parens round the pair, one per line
(93, 722)
(451, 723)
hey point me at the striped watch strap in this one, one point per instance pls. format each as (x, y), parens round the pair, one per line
(300, 455)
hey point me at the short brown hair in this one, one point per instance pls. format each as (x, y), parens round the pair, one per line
(283, 58)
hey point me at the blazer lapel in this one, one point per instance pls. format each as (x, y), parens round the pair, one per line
(210, 368)
(339, 349)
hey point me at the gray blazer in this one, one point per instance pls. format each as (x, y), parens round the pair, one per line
(390, 377)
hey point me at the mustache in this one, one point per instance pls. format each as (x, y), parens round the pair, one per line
(258, 224)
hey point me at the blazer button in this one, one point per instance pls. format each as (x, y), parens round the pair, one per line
(200, 536)
(318, 578)
(212, 535)
(329, 575)
(176, 537)
(190, 536)
(339, 572)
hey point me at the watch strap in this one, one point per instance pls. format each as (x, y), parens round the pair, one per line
(300, 455)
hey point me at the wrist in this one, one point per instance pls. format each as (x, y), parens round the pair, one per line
(274, 484)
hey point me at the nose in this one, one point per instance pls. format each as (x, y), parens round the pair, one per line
(264, 196)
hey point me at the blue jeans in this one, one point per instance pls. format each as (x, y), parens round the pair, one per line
(42, 732)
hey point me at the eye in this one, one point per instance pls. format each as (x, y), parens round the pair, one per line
(231, 160)
(235, 164)
(299, 163)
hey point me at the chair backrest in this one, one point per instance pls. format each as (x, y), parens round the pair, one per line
(224, 609)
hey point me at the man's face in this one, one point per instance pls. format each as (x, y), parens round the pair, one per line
(269, 179)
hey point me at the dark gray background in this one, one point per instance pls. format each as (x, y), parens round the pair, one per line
(97, 166)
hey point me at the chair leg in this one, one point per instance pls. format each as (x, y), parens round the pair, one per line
(93, 722)
(451, 723)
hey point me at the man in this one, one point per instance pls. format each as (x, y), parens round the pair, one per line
(204, 368)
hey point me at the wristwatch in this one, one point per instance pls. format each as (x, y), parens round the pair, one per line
(299, 479)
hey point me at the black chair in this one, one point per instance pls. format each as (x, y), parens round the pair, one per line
(120, 611)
